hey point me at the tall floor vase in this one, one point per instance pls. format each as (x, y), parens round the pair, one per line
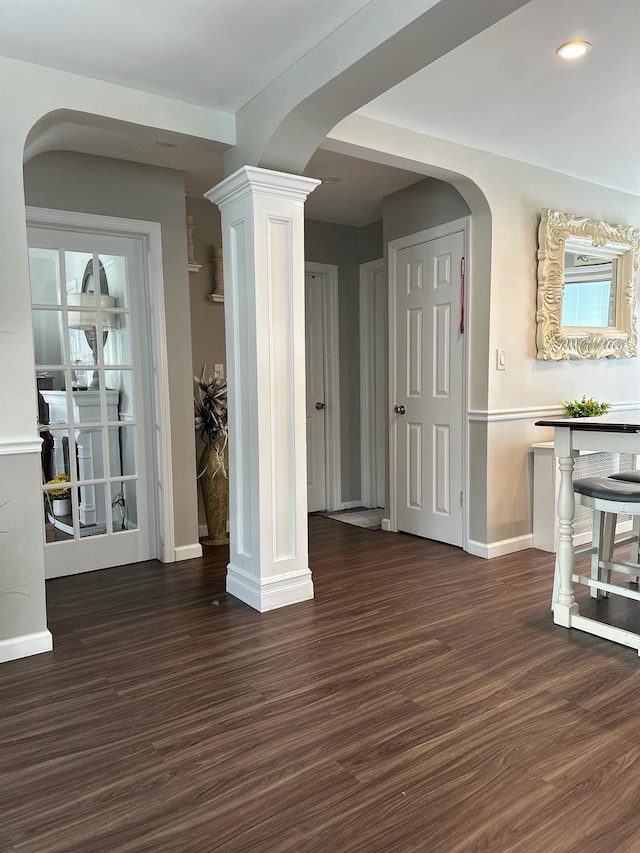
(214, 484)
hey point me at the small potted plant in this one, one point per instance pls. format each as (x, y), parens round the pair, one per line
(585, 408)
(60, 497)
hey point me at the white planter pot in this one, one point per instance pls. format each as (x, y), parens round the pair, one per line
(61, 506)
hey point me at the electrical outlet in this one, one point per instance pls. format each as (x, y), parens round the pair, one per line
(218, 370)
(501, 359)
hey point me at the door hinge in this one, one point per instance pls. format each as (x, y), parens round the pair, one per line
(461, 498)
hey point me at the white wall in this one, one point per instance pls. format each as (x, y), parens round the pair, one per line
(503, 283)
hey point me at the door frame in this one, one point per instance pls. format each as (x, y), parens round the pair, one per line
(393, 247)
(370, 460)
(331, 357)
(150, 233)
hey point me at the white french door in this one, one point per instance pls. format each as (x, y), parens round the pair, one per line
(429, 385)
(92, 374)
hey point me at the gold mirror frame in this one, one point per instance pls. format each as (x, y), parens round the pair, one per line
(556, 342)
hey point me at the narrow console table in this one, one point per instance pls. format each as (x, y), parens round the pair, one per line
(613, 433)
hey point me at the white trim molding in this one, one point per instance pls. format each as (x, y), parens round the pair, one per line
(487, 550)
(26, 645)
(187, 552)
(283, 590)
(331, 347)
(350, 504)
(19, 446)
(535, 412)
(151, 234)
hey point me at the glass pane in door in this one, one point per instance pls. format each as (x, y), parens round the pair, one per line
(44, 268)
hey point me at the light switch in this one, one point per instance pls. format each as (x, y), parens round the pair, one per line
(501, 359)
(218, 370)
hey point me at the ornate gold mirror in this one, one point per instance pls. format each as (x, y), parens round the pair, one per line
(586, 288)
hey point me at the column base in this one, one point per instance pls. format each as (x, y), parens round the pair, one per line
(284, 589)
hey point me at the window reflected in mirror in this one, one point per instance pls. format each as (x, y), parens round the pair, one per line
(589, 292)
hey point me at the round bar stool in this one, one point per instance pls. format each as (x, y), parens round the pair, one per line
(607, 497)
(631, 477)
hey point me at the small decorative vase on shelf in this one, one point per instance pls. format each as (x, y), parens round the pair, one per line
(214, 484)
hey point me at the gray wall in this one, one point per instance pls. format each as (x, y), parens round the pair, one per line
(207, 318)
(80, 182)
(423, 205)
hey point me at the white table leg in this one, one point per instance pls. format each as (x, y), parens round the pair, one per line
(565, 605)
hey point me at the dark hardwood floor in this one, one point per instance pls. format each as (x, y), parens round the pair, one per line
(424, 701)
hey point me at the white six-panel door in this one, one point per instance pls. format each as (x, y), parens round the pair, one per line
(428, 409)
(316, 403)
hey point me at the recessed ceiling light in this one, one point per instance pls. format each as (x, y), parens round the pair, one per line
(167, 144)
(331, 179)
(573, 49)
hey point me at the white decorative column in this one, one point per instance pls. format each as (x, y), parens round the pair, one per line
(263, 246)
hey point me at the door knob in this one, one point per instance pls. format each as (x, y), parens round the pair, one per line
(399, 410)
(320, 406)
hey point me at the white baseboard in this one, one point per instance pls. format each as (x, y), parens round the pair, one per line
(25, 646)
(350, 504)
(188, 552)
(283, 590)
(386, 524)
(487, 550)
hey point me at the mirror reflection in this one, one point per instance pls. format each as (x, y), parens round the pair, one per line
(589, 290)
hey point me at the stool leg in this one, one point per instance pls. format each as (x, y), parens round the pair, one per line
(596, 557)
(607, 543)
(635, 547)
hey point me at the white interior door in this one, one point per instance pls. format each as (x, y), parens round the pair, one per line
(316, 403)
(373, 382)
(428, 412)
(91, 355)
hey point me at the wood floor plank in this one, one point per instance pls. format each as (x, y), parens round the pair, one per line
(423, 701)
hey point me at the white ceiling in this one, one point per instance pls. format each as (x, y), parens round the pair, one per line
(216, 53)
(503, 91)
(507, 92)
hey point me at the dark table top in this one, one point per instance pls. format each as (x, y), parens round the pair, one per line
(622, 422)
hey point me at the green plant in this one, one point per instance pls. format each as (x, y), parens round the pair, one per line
(58, 480)
(585, 408)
